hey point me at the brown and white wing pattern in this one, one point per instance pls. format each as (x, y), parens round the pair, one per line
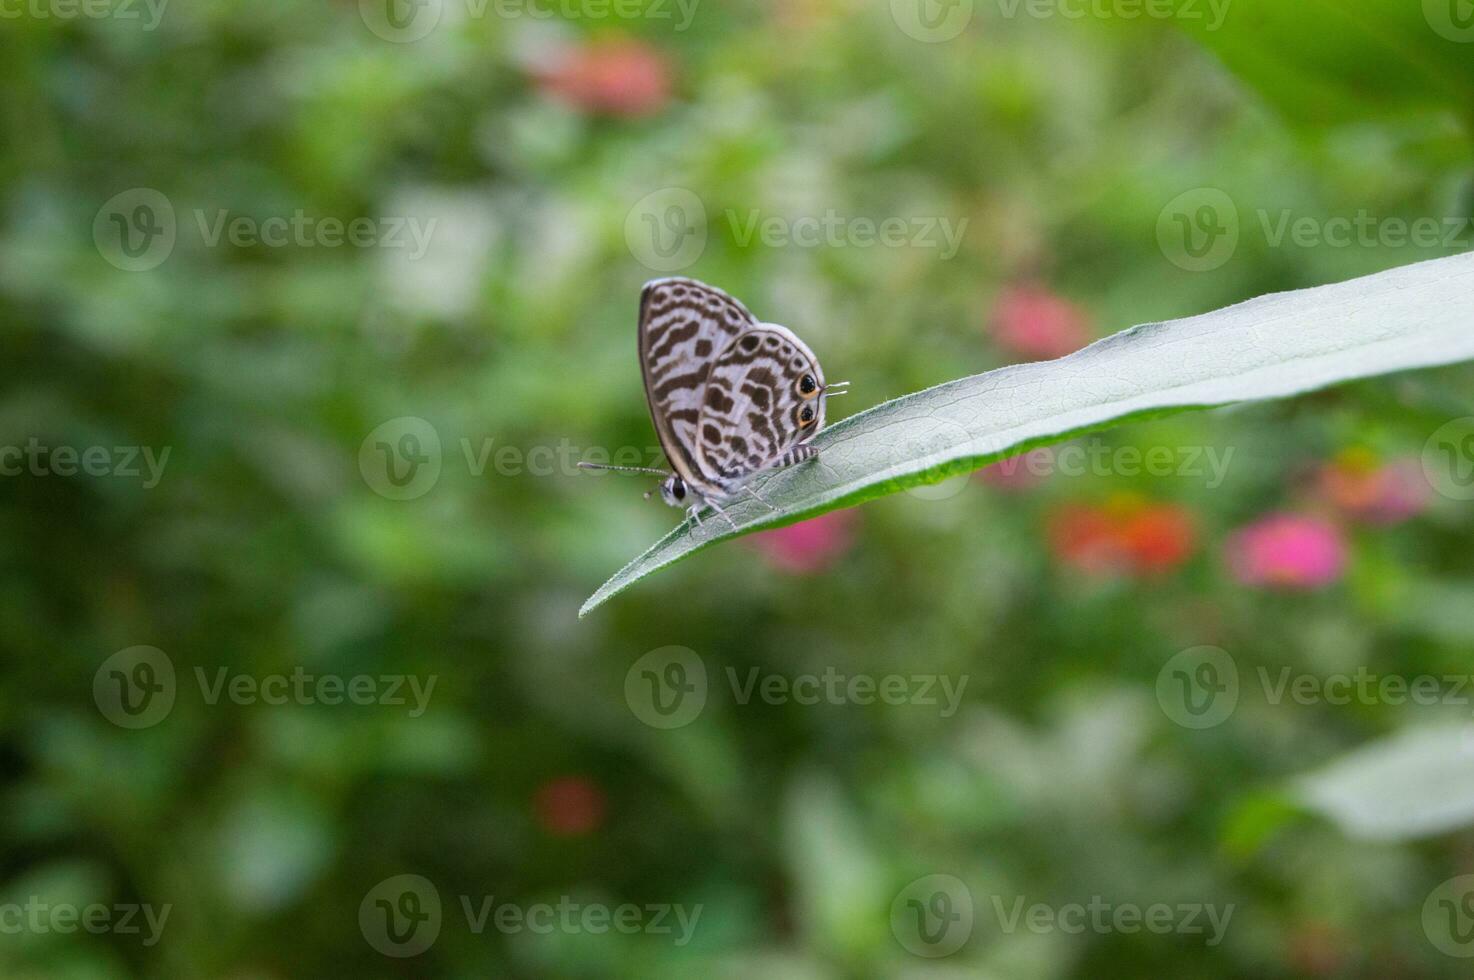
(763, 398)
(684, 326)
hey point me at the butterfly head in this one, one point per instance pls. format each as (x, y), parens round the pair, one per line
(673, 491)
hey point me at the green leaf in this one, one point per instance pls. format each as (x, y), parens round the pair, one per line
(1333, 61)
(1413, 784)
(1328, 61)
(1284, 344)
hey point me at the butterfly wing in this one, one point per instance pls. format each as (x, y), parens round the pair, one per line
(752, 411)
(684, 325)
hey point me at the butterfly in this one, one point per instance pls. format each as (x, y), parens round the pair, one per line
(730, 397)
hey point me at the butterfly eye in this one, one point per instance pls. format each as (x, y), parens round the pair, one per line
(806, 416)
(807, 386)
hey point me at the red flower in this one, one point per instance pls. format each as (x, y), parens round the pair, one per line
(1127, 536)
(617, 77)
(1033, 322)
(569, 806)
(1361, 487)
(808, 546)
(1288, 551)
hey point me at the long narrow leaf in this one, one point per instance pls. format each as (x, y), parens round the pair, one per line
(1284, 344)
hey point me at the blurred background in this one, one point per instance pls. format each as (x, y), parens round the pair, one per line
(310, 309)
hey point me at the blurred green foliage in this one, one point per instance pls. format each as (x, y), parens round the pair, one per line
(266, 549)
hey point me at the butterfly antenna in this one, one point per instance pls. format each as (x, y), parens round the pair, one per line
(621, 469)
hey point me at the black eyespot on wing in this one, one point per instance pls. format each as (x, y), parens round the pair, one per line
(749, 344)
(806, 415)
(807, 384)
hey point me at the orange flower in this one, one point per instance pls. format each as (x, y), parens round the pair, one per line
(1362, 487)
(1127, 536)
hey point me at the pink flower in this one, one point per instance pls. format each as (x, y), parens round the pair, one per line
(808, 546)
(1288, 551)
(1360, 486)
(617, 77)
(1031, 321)
(569, 806)
(1127, 536)
(1018, 473)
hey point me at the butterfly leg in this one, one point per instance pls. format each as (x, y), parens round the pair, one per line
(693, 513)
(758, 497)
(719, 510)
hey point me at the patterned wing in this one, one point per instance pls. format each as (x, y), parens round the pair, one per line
(758, 404)
(684, 325)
